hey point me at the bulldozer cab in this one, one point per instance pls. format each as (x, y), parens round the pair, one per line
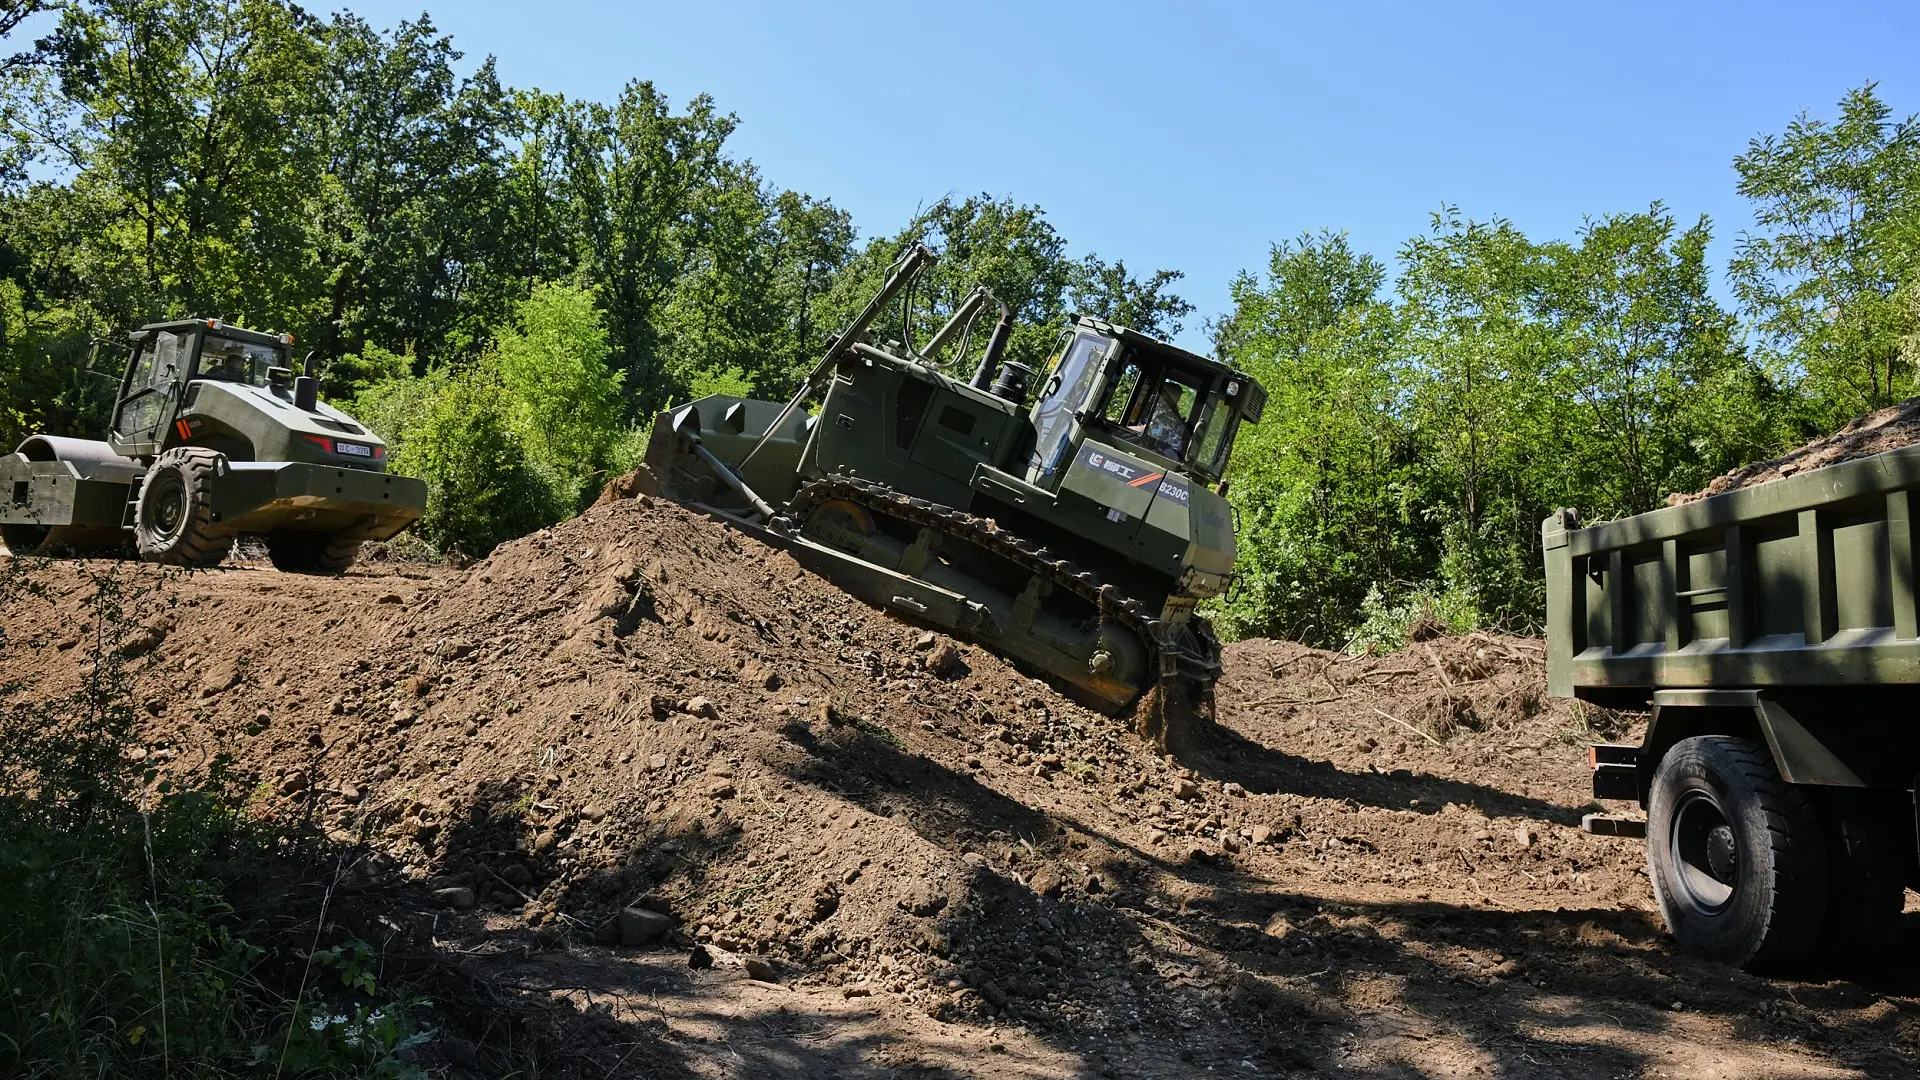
(1179, 409)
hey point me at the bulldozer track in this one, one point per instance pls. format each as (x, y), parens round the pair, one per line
(1198, 664)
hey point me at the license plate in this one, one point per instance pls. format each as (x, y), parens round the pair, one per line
(353, 448)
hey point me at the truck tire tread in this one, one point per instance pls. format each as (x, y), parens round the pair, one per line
(1866, 883)
(1774, 919)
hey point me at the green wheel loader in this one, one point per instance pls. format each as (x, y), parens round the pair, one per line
(212, 438)
(1075, 535)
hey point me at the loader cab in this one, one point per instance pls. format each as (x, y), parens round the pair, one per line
(1180, 410)
(167, 358)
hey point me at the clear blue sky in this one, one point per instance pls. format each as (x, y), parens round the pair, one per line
(1192, 135)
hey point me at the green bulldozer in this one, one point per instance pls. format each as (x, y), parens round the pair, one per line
(1075, 535)
(213, 437)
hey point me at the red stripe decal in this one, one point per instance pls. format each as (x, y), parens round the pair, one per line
(185, 431)
(1147, 479)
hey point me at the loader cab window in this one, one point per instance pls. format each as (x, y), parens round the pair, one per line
(158, 363)
(228, 360)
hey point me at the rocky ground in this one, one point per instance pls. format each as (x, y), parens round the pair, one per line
(645, 798)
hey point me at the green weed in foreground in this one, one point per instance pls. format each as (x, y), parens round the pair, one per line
(122, 952)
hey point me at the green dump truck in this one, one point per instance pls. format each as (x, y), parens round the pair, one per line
(212, 437)
(1773, 633)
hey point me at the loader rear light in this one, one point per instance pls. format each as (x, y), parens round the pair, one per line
(320, 441)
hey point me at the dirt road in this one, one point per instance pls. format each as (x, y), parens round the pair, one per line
(936, 866)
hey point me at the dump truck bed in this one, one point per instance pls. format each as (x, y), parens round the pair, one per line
(1801, 582)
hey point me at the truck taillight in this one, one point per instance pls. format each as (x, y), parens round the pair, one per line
(320, 441)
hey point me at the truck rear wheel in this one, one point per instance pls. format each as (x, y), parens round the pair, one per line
(1866, 875)
(1738, 862)
(173, 519)
(311, 552)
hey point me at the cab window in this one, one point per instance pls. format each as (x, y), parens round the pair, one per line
(228, 360)
(1159, 412)
(1211, 438)
(155, 368)
(1123, 391)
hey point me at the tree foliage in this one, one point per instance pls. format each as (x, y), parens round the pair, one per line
(510, 283)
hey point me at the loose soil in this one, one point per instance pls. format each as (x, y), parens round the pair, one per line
(934, 865)
(1875, 433)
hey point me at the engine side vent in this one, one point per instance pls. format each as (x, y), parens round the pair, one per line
(909, 408)
(959, 420)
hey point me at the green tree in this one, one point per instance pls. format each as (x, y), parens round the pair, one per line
(190, 126)
(565, 400)
(1105, 290)
(459, 432)
(408, 228)
(1325, 487)
(1655, 394)
(1837, 205)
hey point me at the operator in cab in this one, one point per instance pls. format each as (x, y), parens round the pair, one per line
(1165, 429)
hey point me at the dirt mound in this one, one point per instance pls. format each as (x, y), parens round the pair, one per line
(1875, 433)
(637, 733)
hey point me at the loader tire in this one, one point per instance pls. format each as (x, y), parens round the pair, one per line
(311, 552)
(1736, 854)
(173, 519)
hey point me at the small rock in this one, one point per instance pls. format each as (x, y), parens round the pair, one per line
(657, 762)
(142, 641)
(700, 959)
(293, 784)
(1523, 836)
(1186, 789)
(703, 708)
(593, 813)
(927, 640)
(855, 991)
(458, 897)
(923, 902)
(350, 792)
(1046, 881)
(1261, 834)
(721, 789)
(1235, 790)
(222, 678)
(638, 926)
(759, 970)
(945, 661)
